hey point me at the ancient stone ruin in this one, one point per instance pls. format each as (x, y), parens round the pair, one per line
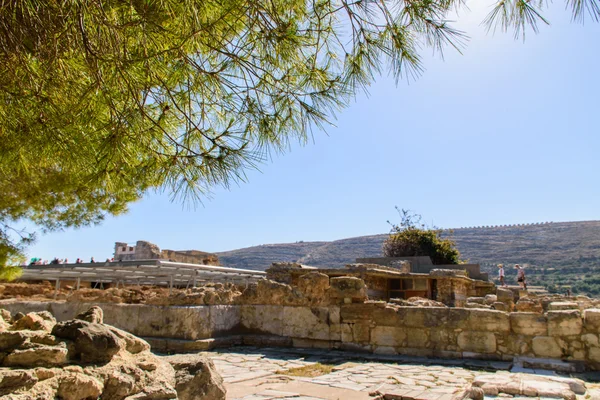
(359, 309)
(83, 358)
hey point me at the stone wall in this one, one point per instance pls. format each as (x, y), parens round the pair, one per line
(378, 327)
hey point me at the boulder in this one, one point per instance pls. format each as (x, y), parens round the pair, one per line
(133, 344)
(196, 378)
(37, 356)
(94, 315)
(79, 387)
(12, 380)
(490, 299)
(34, 322)
(94, 343)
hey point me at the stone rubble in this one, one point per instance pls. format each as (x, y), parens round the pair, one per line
(86, 359)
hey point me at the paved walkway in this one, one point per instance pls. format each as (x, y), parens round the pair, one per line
(250, 374)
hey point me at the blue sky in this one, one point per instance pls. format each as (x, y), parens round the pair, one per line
(504, 133)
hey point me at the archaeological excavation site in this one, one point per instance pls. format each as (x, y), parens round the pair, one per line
(150, 328)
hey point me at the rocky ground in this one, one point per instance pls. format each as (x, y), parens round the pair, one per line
(260, 374)
(84, 358)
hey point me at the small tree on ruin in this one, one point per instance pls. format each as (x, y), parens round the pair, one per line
(411, 238)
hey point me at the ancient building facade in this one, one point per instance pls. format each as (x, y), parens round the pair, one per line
(144, 250)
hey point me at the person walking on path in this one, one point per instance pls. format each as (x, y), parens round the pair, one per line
(521, 277)
(501, 274)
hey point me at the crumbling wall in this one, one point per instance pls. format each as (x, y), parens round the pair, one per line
(191, 257)
(376, 327)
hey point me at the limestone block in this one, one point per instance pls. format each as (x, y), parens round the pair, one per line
(546, 346)
(314, 286)
(564, 323)
(335, 332)
(488, 320)
(388, 316)
(458, 318)
(224, 318)
(440, 338)
(478, 342)
(347, 287)
(178, 322)
(263, 319)
(562, 305)
(590, 339)
(356, 333)
(594, 354)
(417, 338)
(591, 317)
(505, 295)
(529, 324)
(306, 322)
(350, 313)
(529, 305)
(124, 316)
(502, 306)
(490, 299)
(476, 300)
(388, 336)
(334, 315)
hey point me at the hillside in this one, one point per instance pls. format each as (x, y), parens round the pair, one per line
(560, 254)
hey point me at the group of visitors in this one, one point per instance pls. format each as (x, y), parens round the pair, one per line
(56, 260)
(520, 276)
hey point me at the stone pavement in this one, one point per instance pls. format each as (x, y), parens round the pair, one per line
(250, 374)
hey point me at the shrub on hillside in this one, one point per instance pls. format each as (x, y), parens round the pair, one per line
(411, 239)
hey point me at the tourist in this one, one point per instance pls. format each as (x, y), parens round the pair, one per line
(78, 261)
(92, 260)
(521, 277)
(501, 274)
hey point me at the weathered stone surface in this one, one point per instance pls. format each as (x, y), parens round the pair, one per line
(591, 317)
(504, 295)
(196, 378)
(94, 315)
(133, 344)
(306, 322)
(314, 286)
(532, 324)
(343, 287)
(490, 299)
(13, 380)
(478, 342)
(38, 356)
(489, 320)
(564, 323)
(499, 306)
(388, 336)
(528, 305)
(33, 322)
(546, 346)
(263, 319)
(563, 305)
(79, 387)
(94, 343)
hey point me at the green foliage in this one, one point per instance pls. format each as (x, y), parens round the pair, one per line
(103, 101)
(411, 238)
